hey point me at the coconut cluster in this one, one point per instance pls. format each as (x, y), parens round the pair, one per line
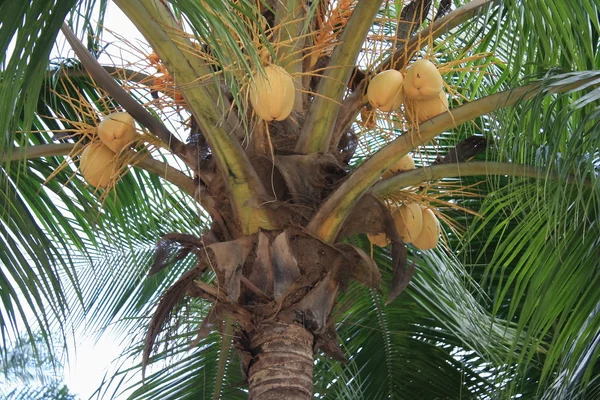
(421, 90)
(117, 131)
(99, 162)
(415, 224)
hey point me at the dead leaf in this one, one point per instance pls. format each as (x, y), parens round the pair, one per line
(305, 175)
(262, 268)
(312, 311)
(366, 217)
(402, 273)
(400, 280)
(174, 247)
(230, 257)
(372, 216)
(209, 324)
(285, 267)
(362, 268)
(329, 343)
(465, 150)
(169, 299)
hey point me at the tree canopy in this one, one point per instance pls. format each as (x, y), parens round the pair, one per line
(506, 305)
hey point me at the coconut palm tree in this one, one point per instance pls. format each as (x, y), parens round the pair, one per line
(229, 239)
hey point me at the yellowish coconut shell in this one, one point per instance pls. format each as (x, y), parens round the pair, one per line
(272, 93)
(430, 233)
(423, 80)
(406, 163)
(408, 219)
(422, 110)
(378, 239)
(117, 131)
(385, 90)
(98, 164)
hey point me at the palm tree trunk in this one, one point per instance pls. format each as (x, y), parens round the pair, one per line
(282, 365)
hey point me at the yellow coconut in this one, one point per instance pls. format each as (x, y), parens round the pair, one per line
(408, 219)
(378, 239)
(423, 80)
(117, 131)
(385, 90)
(406, 163)
(272, 93)
(422, 110)
(430, 233)
(98, 164)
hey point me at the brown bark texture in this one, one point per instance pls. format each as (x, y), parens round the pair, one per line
(282, 362)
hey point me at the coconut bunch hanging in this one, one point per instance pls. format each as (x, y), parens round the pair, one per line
(418, 225)
(164, 82)
(423, 110)
(424, 96)
(429, 235)
(159, 82)
(99, 162)
(406, 163)
(421, 91)
(409, 221)
(154, 59)
(272, 93)
(415, 224)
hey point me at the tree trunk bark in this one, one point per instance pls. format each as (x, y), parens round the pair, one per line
(282, 362)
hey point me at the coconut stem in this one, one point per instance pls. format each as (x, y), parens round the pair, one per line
(320, 120)
(165, 171)
(221, 128)
(416, 176)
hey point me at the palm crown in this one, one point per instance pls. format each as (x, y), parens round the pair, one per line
(237, 212)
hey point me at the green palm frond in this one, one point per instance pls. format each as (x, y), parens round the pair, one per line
(68, 222)
(536, 277)
(32, 29)
(192, 365)
(391, 347)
